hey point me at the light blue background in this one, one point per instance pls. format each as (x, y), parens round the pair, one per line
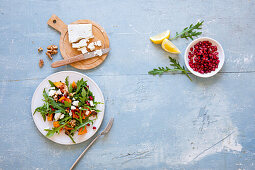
(160, 122)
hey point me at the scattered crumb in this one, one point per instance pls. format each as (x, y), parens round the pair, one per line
(40, 49)
(41, 63)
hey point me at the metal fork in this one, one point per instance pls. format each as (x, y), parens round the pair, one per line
(104, 132)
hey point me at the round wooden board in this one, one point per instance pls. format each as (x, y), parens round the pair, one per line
(66, 48)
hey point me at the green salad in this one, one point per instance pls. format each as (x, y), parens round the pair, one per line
(70, 107)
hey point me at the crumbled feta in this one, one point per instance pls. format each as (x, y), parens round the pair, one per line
(75, 103)
(79, 31)
(82, 43)
(52, 92)
(73, 107)
(57, 116)
(87, 113)
(80, 108)
(98, 53)
(70, 113)
(91, 103)
(98, 43)
(83, 50)
(58, 92)
(62, 116)
(92, 117)
(91, 46)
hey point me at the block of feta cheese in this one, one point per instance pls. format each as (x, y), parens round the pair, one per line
(83, 50)
(98, 53)
(98, 43)
(79, 31)
(91, 46)
(82, 43)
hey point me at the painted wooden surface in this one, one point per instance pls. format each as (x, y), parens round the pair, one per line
(165, 122)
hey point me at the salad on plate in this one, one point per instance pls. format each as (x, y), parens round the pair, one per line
(70, 107)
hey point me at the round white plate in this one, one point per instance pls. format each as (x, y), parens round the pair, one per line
(62, 138)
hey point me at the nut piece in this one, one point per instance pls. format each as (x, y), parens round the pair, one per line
(49, 55)
(49, 47)
(51, 50)
(73, 123)
(54, 47)
(41, 63)
(40, 49)
(54, 52)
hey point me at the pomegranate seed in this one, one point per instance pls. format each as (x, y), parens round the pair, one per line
(90, 98)
(88, 124)
(203, 57)
(94, 127)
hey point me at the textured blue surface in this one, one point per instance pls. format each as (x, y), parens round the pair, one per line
(165, 122)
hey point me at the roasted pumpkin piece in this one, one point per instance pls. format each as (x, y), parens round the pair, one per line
(63, 98)
(58, 84)
(50, 117)
(82, 130)
(74, 86)
(56, 124)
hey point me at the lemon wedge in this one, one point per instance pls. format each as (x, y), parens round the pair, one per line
(157, 39)
(170, 47)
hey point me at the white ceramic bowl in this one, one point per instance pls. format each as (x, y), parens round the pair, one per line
(220, 55)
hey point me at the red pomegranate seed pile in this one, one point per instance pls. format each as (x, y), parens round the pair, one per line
(203, 57)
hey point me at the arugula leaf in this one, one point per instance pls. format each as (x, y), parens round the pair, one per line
(66, 81)
(83, 93)
(52, 102)
(176, 66)
(52, 84)
(81, 83)
(80, 117)
(43, 111)
(71, 138)
(67, 104)
(70, 89)
(84, 123)
(189, 32)
(52, 131)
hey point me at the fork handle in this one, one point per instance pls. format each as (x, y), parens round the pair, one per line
(85, 150)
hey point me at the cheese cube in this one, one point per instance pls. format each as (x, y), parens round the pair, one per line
(79, 31)
(91, 46)
(82, 43)
(98, 53)
(83, 50)
(98, 43)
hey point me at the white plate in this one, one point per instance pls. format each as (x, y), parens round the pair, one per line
(220, 55)
(61, 138)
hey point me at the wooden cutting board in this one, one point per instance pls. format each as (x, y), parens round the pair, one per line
(66, 48)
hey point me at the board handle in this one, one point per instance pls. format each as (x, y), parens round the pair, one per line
(56, 23)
